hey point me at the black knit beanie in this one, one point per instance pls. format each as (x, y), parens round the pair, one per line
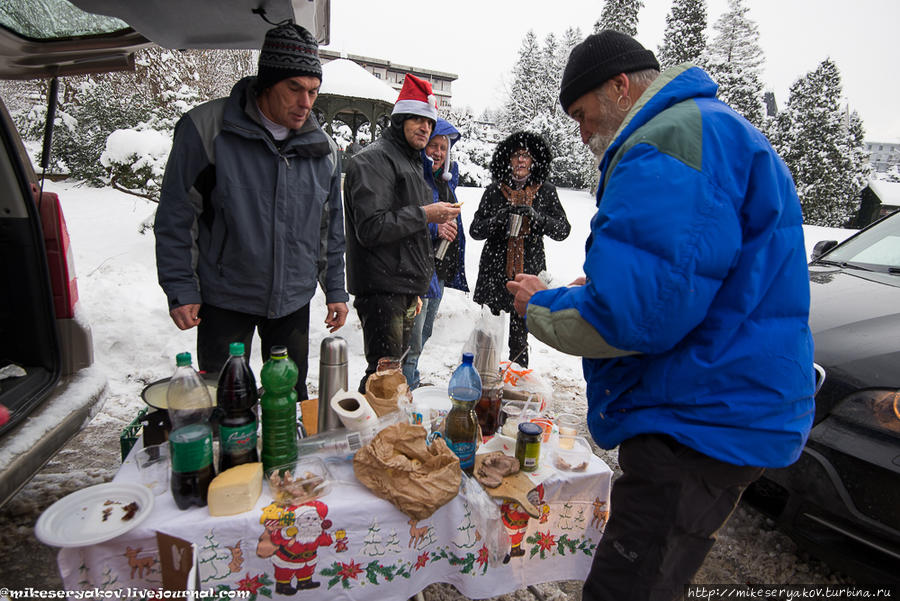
(288, 51)
(599, 57)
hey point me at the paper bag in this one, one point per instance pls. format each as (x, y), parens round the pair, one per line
(387, 392)
(398, 466)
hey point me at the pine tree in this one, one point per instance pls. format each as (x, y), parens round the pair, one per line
(734, 60)
(621, 15)
(822, 144)
(526, 95)
(684, 40)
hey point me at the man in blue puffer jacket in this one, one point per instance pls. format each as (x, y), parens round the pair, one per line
(442, 176)
(691, 317)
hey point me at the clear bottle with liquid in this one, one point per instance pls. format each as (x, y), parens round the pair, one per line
(190, 442)
(461, 423)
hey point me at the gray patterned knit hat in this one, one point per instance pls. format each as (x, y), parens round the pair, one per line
(288, 51)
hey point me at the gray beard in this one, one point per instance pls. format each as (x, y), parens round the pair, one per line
(599, 143)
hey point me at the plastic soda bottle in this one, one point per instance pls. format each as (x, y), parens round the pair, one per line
(461, 422)
(279, 409)
(236, 398)
(187, 397)
(190, 442)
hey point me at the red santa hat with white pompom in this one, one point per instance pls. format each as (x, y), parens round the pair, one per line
(416, 98)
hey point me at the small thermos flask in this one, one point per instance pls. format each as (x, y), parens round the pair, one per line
(332, 378)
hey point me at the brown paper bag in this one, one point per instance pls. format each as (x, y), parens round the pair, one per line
(399, 467)
(383, 391)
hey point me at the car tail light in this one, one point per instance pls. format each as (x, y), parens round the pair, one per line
(59, 256)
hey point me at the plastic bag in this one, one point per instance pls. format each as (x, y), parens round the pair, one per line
(400, 467)
(486, 517)
(522, 384)
(486, 341)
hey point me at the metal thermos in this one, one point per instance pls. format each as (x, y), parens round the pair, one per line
(332, 378)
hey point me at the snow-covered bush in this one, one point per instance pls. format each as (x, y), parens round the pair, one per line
(136, 159)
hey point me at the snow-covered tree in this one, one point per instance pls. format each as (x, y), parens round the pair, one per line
(684, 40)
(536, 80)
(734, 60)
(621, 15)
(473, 150)
(822, 144)
(892, 174)
(527, 95)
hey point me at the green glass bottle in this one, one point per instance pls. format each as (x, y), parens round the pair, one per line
(279, 409)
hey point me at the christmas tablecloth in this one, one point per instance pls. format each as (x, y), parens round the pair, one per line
(351, 545)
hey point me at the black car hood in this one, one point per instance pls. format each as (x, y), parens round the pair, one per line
(855, 322)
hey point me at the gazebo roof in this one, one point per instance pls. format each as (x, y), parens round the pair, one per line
(343, 77)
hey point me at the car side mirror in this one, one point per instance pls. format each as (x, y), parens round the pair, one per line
(821, 248)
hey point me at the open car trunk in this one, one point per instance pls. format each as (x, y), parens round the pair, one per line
(27, 319)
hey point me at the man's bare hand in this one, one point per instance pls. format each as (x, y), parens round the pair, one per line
(418, 305)
(337, 315)
(522, 288)
(579, 281)
(186, 316)
(447, 231)
(440, 212)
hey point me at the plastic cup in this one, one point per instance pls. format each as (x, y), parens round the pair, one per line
(153, 467)
(511, 418)
(568, 429)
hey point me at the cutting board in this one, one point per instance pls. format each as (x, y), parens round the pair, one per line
(514, 487)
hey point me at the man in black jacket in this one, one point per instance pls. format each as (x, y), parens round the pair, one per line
(388, 206)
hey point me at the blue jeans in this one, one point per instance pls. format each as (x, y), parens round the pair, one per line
(421, 332)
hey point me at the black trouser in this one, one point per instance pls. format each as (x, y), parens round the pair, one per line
(518, 339)
(387, 321)
(665, 510)
(220, 327)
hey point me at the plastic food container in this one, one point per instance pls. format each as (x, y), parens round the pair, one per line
(572, 454)
(304, 480)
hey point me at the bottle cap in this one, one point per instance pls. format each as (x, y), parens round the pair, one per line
(236, 349)
(468, 357)
(182, 359)
(278, 352)
(530, 429)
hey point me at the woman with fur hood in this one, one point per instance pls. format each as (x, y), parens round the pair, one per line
(519, 169)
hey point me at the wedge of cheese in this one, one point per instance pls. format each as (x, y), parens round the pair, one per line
(235, 490)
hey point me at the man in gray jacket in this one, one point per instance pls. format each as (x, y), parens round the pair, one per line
(250, 215)
(388, 205)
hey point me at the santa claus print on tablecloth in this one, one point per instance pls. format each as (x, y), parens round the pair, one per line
(291, 539)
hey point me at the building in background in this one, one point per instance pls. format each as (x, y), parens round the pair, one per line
(393, 74)
(883, 155)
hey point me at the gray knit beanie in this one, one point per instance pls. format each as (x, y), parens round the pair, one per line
(601, 56)
(288, 51)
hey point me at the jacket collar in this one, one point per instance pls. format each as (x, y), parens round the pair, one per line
(673, 85)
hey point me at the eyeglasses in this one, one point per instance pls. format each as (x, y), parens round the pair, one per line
(521, 155)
